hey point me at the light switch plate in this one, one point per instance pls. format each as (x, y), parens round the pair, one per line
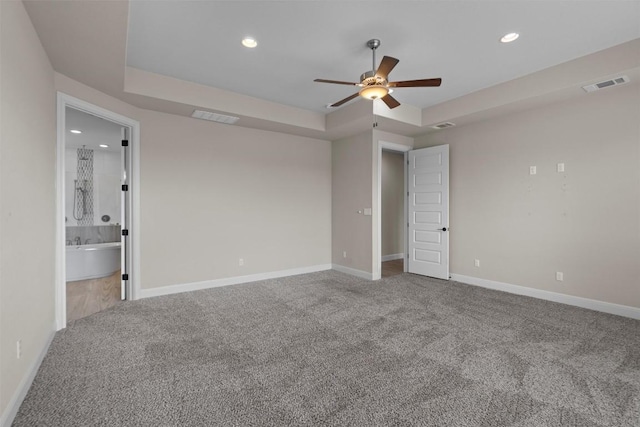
(532, 170)
(560, 167)
(367, 211)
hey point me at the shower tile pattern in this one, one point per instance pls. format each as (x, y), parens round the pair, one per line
(83, 207)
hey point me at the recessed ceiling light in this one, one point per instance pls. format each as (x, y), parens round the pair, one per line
(104, 146)
(75, 131)
(508, 38)
(249, 42)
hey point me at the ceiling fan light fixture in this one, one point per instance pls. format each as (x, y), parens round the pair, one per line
(374, 92)
(249, 42)
(508, 38)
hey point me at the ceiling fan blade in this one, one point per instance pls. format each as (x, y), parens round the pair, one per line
(417, 83)
(386, 65)
(338, 82)
(347, 99)
(390, 101)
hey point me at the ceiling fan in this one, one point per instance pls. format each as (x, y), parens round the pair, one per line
(375, 84)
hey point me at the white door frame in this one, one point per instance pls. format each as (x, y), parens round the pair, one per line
(377, 248)
(64, 101)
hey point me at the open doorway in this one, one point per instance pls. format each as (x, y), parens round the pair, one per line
(392, 216)
(93, 207)
(426, 215)
(95, 232)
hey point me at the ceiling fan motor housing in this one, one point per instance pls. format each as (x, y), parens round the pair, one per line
(370, 78)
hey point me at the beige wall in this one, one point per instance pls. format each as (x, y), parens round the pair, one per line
(352, 182)
(214, 193)
(27, 197)
(524, 228)
(392, 185)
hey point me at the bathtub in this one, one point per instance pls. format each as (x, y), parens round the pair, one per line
(92, 261)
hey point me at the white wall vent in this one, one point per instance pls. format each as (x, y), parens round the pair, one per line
(443, 125)
(607, 83)
(214, 117)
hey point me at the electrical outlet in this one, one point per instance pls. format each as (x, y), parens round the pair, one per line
(344, 254)
(477, 263)
(560, 167)
(241, 262)
(532, 170)
(559, 276)
(18, 349)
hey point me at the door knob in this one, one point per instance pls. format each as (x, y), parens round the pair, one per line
(442, 229)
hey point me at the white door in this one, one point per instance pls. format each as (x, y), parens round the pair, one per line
(428, 212)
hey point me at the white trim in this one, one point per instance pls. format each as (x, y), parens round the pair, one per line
(21, 391)
(353, 272)
(591, 304)
(63, 101)
(406, 212)
(196, 286)
(391, 257)
(391, 146)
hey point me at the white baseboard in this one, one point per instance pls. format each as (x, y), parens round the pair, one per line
(21, 392)
(391, 257)
(591, 304)
(353, 271)
(196, 286)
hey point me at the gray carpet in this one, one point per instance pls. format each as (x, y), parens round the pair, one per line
(329, 349)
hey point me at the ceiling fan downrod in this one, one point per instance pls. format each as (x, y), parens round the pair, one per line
(373, 44)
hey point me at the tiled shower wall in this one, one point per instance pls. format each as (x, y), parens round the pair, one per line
(83, 203)
(92, 234)
(106, 192)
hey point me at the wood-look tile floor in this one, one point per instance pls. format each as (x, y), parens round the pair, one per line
(85, 297)
(391, 268)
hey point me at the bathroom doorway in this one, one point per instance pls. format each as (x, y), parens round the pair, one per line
(93, 231)
(95, 228)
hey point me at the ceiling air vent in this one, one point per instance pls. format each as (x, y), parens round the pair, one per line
(607, 83)
(443, 125)
(214, 117)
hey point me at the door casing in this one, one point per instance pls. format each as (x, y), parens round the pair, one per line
(64, 101)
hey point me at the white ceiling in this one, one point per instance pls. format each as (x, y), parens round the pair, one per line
(95, 131)
(299, 41)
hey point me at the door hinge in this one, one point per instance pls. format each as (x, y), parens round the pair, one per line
(125, 187)
(125, 277)
(407, 224)
(125, 142)
(125, 232)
